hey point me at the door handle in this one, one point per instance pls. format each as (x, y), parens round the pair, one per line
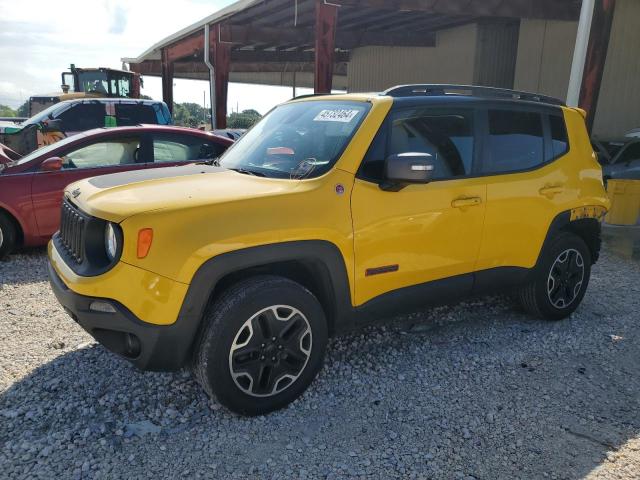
(466, 202)
(550, 191)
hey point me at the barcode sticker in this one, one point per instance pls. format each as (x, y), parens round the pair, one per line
(340, 115)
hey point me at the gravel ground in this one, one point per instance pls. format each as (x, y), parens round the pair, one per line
(478, 390)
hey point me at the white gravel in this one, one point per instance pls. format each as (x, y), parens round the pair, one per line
(478, 390)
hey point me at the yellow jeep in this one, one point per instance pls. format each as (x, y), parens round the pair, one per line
(331, 212)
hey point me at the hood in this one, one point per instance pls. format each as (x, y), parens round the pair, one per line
(118, 196)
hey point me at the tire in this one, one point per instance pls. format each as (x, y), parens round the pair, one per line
(8, 235)
(560, 280)
(238, 363)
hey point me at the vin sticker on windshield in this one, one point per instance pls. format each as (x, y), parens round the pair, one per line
(340, 115)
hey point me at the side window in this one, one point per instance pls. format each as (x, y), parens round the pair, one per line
(184, 148)
(515, 141)
(445, 134)
(132, 114)
(111, 153)
(632, 152)
(559, 140)
(83, 116)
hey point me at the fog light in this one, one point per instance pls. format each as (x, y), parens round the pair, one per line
(102, 307)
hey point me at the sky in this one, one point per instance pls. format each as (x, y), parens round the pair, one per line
(40, 38)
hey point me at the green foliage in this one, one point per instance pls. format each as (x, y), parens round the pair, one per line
(245, 119)
(189, 114)
(23, 110)
(192, 115)
(6, 111)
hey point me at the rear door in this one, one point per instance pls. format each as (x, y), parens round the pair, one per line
(527, 183)
(105, 155)
(170, 149)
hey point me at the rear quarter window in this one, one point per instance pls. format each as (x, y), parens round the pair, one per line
(559, 139)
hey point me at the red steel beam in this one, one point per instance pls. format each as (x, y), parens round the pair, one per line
(186, 47)
(220, 53)
(596, 57)
(326, 26)
(167, 79)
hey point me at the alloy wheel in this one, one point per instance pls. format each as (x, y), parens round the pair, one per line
(270, 351)
(565, 278)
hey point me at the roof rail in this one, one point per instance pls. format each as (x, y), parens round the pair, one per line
(470, 90)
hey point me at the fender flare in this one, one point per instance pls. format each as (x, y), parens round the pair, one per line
(323, 256)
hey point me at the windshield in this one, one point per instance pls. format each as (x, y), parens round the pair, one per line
(47, 149)
(297, 140)
(46, 113)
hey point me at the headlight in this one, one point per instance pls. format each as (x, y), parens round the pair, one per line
(110, 241)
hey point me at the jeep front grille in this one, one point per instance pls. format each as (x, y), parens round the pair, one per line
(72, 228)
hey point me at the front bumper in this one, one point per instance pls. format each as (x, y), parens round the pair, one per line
(147, 346)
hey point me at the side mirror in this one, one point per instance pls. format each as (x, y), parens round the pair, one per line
(52, 164)
(52, 125)
(403, 169)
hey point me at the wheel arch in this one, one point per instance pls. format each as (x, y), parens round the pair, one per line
(316, 264)
(16, 222)
(588, 229)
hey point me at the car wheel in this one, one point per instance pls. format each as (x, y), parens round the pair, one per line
(8, 236)
(560, 280)
(262, 346)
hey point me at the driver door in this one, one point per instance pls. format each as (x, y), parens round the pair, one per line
(89, 159)
(424, 232)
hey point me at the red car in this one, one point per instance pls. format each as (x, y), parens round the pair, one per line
(31, 187)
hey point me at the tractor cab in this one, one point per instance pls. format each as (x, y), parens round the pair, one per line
(87, 83)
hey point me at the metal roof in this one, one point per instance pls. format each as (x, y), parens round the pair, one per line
(272, 30)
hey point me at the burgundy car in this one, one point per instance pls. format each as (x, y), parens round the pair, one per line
(31, 187)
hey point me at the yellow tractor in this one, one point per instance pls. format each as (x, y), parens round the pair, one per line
(90, 82)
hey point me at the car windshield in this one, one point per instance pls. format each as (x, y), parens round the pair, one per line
(297, 140)
(46, 113)
(49, 148)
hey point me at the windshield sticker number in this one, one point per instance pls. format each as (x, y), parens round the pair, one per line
(341, 115)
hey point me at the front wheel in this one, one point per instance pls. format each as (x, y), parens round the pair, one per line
(560, 280)
(263, 345)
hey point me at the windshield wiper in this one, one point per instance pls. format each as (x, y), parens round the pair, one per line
(213, 161)
(248, 172)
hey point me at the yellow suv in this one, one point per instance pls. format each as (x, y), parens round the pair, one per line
(332, 211)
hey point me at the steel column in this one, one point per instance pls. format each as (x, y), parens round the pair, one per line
(326, 26)
(596, 58)
(167, 79)
(220, 57)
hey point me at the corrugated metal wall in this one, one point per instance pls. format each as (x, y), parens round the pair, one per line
(486, 54)
(451, 61)
(545, 52)
(496, 53)
(618, 108)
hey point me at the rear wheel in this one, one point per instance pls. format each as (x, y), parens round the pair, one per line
(8, 235)
(263, 345)
(560, 280)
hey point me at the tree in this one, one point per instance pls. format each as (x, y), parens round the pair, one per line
(23, 110)
(189, 114)
(6, 111)
(245, 119)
